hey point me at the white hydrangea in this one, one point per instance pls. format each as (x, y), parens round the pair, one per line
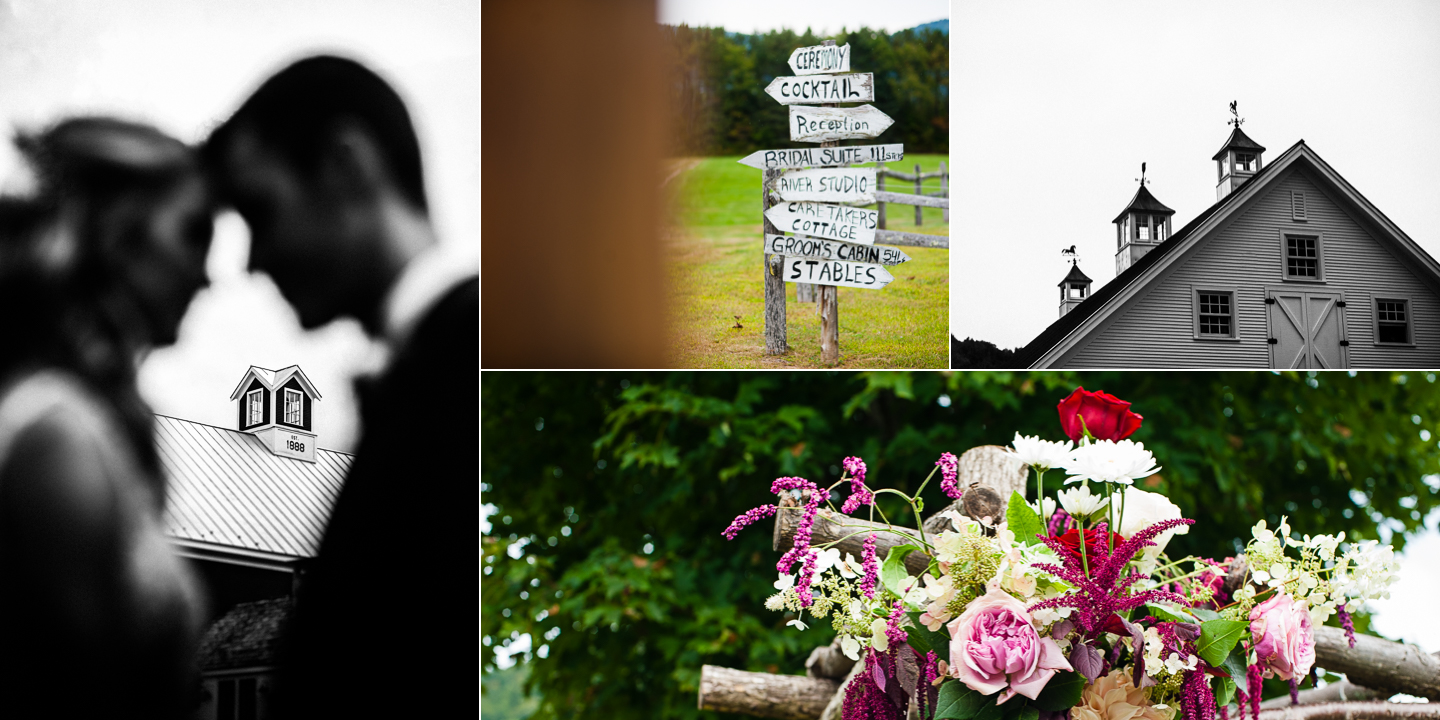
(1108, 461)
(1040, 454)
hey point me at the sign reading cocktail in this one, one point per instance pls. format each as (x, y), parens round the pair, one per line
(859, 87)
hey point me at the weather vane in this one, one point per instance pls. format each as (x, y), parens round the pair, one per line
(1142, 175)
(1070, 254)
(1237, 121)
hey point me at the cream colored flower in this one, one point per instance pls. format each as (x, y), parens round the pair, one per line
(1114, 697)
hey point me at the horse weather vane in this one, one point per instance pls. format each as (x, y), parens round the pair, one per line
(1142, 179)
(1070, 254)
(1237, 121)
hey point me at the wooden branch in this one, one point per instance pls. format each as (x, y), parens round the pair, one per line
(1385, 666)
(830, 526)
(896, 237)
(788, 697)
(989, 465)
(837, 701)
(908, 199)
(1343, 691)
(1354, 711)
(828, 661)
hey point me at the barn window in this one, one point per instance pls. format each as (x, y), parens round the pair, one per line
(255, 404)
(1214, 314)
(1392, 321)
(294, 407)
(1302, 257)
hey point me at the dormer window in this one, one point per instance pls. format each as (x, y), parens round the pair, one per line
(294, 407)
(255, 404)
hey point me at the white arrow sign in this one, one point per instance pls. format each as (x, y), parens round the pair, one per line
(832, 250)
(856, 88)
(818, 59)
(855, 185)
(837, 222)
(813, 124)
(819, 157)
(836, 272)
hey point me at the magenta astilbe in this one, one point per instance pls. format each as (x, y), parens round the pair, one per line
(893, 633)
(1196, 700)
(1059, 522)
(1242, 700)
(871, 563)
(1346, 623)
(859, 494)
(1225, 712)
(1104, 592)
(749, 518)
(801, 551)
(1254, 682)
(864, 699)
(949, 472)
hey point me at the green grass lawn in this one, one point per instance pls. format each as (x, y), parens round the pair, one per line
(716, 274)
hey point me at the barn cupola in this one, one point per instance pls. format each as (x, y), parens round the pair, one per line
(1238, 160)
(277, 406)
(1073, 289)
(1142, 225)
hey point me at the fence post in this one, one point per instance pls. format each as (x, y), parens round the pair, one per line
(829, 307)
(944, 192)
(880, 187)
(918, 191)
(774, 266)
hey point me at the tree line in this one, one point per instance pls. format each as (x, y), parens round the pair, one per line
(716, 86)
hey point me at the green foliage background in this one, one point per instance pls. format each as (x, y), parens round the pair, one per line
(717, 86)
(618, 485)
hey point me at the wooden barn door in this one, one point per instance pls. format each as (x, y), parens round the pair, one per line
(1307, 329)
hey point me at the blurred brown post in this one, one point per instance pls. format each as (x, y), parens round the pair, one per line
(774, 266)
(828, 303)
(572, 266)
(918, 191)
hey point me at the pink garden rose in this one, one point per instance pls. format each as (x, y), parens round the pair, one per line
(1283, 642)
(994, 646)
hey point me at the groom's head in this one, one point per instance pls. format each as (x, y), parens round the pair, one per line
(312, 161)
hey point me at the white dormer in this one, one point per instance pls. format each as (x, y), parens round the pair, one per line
(276, 406)
(1237, 162)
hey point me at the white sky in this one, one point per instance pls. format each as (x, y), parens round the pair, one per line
(184, 65)
(1054, 105)
(822, 16)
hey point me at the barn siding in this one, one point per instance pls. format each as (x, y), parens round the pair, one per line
(1154, 329)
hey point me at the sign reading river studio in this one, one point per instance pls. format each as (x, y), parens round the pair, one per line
(836, 272)
(823, 156)
(855, 185)
(817, 124)
(837, 222)
(833, 250)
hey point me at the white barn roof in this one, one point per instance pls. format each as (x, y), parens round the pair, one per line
(228, 495)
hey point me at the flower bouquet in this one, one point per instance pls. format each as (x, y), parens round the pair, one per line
(1031, 610)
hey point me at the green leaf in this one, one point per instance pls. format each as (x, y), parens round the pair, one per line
(1014, 708)
(1061, 693)
(919, 504)
(988, 709)
(892, 573)
(1029, 713)
(939, 642)
(957, 702)
(1023, 521)
(1224, 692)
(1169, 614)
(1205, 613)
(917, 640)
(1218, 638)
(1235, 662)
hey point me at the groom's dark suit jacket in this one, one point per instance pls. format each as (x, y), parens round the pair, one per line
(386, 615)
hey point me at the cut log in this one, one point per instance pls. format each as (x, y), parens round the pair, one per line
(788, 697)
(1381, 665)
(1343, 691)
(828, 661)
(988, 465)
(850, 532)
(837, 702)
(1354, 711)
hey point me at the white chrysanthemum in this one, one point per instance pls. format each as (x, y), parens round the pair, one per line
(1040, 454)
(1081, 503)
(1142, 509)
(1106, 461)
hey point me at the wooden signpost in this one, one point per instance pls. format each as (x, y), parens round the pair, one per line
(817, 59)
(855, 185)
(859, 87)
(824, 156)
(820, 124)
(788, 245)
(837, 222)
(829, 273)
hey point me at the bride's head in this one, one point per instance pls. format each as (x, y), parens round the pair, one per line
(118, 223)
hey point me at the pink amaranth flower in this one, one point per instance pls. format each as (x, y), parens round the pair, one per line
(872, 568)
(749, 518)
(1196, 700)
(1103, 593)
(1059, 522)
(949, 472)
(1346, 623)
(801, 551)
(893, 633)
(864, 698)
(859, 494)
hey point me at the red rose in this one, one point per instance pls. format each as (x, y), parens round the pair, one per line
(1106, 416)
(1097, 545)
